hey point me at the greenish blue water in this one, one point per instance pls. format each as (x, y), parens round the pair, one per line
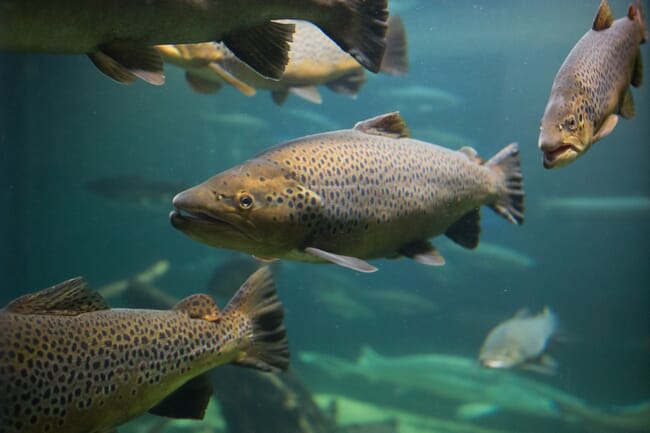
(63, 124)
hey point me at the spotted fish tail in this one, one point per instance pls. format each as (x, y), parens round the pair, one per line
(257, 299)
(510, 203)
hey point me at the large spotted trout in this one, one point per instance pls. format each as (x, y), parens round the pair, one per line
(70, 364)
(592, 86)
(350, 195)
(119, 35)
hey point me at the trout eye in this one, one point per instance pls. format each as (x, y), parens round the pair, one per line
(245, 201)
(570, 123)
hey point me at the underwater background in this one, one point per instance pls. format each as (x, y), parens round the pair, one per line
(482, 72)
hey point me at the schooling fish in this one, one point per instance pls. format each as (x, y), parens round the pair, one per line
(69, 363)
(119, 36)
(521, 342)
(313, 60)
(345, 196)
(592, 86)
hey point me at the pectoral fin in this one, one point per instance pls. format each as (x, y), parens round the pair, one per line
(187, 402)
(264, 48)
(345, 261)
(627, 107)
(123, 61)
(201, 85)
(232, 80)
(606, 128)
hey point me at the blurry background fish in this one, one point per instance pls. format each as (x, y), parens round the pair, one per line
(314, 60)
(147, 193)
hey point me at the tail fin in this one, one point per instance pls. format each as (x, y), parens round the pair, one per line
(510, 203)
(396, 60)
(359, 27)
(258, 301)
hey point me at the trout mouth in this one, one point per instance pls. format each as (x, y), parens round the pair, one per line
(180, 219)
(560, 156)
(197, 222)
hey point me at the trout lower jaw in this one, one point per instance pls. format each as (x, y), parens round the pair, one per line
(560, 156)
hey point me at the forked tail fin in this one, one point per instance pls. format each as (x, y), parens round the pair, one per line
(510, 203)
(257, 299)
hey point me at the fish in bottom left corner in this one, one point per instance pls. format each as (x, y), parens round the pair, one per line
(68, 362)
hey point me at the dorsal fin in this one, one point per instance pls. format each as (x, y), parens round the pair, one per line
(387, 125)
(199, 306)
(69, 298)
(604, 17)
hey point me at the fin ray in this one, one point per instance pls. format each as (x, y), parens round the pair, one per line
(510, 203)
(187, 402)
(466, 232)
(265, 48)
(268, 349)
(341, 260)
(69, 298)
(386, 125)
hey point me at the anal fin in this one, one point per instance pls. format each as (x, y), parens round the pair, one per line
(279, 96)
(349, 84)
(467, 230)
(308, 93)
(637, 73)
(423, 252)
(125, 60)
(264, 48)
(341, 260)
(201, 85)
(187, 402)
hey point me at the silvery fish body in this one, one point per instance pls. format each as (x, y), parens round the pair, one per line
(69, 363)
(350, 195)
(521, 339)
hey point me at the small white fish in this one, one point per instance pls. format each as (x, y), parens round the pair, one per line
(521, 342)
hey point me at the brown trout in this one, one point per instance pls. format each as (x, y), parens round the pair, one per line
(592, 86)
(345, 196)
(313, 60)
(70, 364)
(119, 35)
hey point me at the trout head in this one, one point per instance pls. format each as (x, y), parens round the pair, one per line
(565, 131)
(254, 208)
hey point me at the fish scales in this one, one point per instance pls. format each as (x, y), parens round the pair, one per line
(365, 182)
(349, 195)
(592, 86)
(89, 372)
